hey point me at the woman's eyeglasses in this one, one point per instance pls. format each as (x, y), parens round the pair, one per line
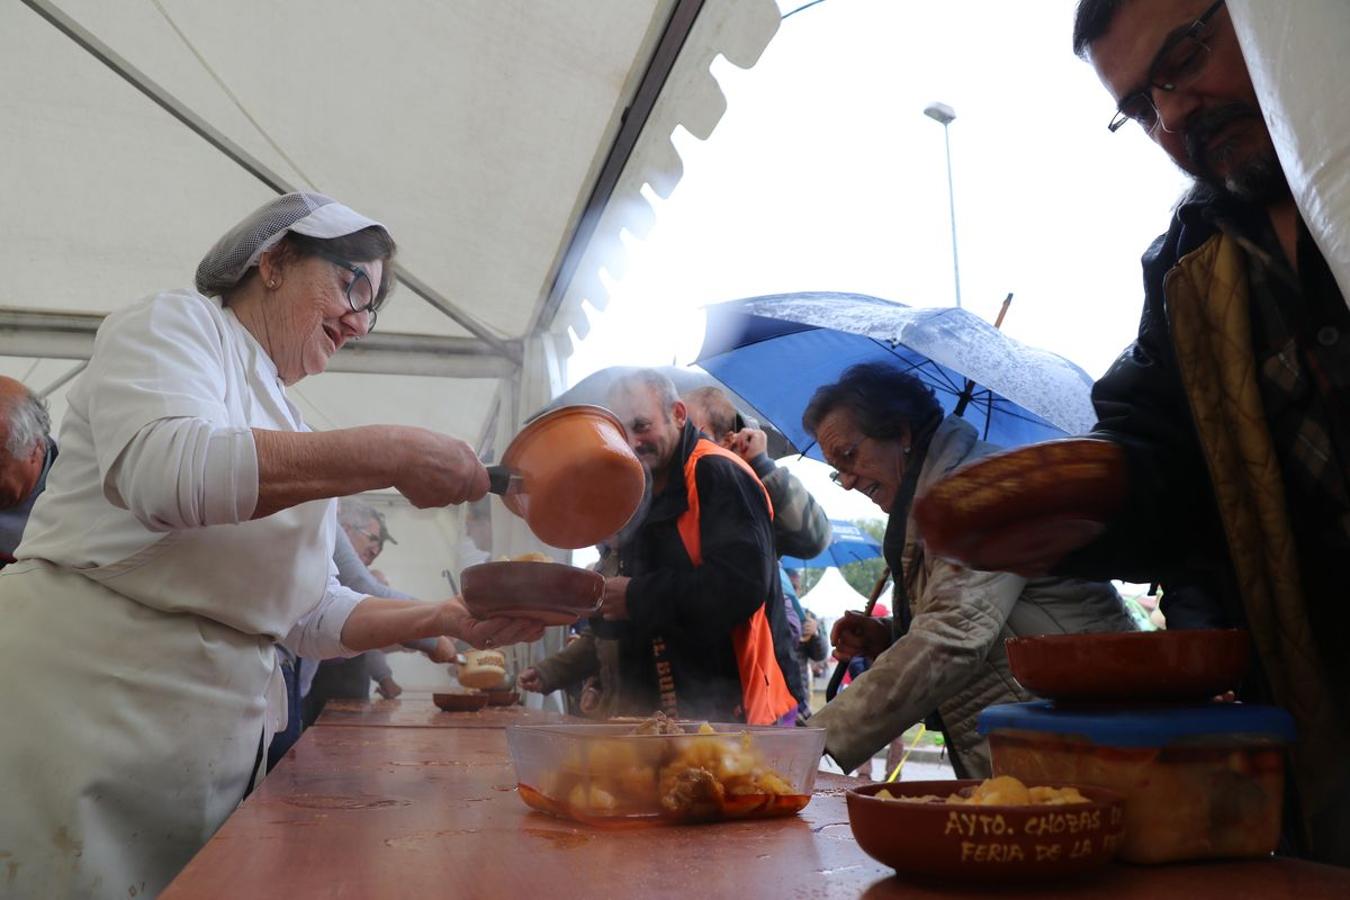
(845, 458)
(360, 292)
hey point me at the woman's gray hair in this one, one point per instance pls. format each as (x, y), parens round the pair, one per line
(29, 425)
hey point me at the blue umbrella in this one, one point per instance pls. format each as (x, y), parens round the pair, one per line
(776, 350)
(848, 544)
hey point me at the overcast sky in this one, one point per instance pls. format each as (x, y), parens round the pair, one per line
(824, 174)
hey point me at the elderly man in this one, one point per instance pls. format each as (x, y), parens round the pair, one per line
(1228, 418)
(697, 602)
(26, 454)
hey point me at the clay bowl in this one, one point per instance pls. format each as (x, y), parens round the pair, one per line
(580, 481)
(460, 702)
(1140, 666)
(553, 593)
(504, 697)
(1018, 507)
(947, 843)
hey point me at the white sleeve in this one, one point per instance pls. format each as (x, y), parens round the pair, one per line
(186, 473)
(318, 633)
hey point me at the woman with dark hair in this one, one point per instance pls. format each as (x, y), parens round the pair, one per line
(884, 432)
(187, 527)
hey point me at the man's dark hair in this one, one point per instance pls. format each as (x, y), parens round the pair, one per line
(884, 401)
(1091, 20)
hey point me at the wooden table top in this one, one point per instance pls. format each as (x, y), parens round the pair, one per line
(410, 812)
(418, 711)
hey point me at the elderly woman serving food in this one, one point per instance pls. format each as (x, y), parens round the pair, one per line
(187, 526)
(884, 432)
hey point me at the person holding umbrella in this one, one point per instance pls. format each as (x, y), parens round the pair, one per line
(885, 434)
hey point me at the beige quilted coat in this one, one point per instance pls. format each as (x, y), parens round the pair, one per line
(953, 659)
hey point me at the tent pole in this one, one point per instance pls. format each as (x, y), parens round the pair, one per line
(61, 382)
(251, 164)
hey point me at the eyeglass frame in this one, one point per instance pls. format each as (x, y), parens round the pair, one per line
(373, 307)
(848, 454)
(1121, 118)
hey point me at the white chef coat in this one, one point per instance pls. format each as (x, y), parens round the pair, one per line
(136, 654)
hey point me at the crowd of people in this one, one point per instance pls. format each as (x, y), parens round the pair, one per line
(186, 537)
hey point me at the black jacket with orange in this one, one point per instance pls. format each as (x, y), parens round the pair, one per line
(692, 612)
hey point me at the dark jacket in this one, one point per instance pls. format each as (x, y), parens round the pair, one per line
(1169, 530)
(1209, 506)
(693, 610)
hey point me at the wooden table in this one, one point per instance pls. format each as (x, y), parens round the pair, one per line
(418, 711)
(379, 811)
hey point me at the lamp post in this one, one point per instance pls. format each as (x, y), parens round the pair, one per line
(941, 112)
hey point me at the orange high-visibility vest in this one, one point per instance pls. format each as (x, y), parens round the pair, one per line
(764, 692)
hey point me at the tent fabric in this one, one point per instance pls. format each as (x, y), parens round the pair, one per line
(832, 596)
(474, 130)
(1296, 55)
(477, 131)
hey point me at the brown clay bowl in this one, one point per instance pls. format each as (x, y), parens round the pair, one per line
(949, 843)
(1139, 666)
(460, 702)
(552, 592)
(1021, 509)
(580, 482)
(504, 697)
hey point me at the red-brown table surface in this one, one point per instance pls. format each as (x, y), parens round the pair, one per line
(372, 812)
(418, 711)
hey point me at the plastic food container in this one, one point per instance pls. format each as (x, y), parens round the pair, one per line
(1199, 781)
(606, 774)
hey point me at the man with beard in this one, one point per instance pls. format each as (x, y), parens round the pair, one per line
(697, 603)
(1228, 419)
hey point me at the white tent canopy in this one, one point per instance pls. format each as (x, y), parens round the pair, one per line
(505, 143)
(832, 596)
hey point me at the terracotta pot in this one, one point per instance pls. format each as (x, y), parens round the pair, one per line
(947, 844)
(578, 480)
(460, 702)
(552, 593)
(1139, 666)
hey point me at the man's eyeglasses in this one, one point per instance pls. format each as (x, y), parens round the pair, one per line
(360, 292)
(1180, 60)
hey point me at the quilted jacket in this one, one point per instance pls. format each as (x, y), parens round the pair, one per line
(952, 656)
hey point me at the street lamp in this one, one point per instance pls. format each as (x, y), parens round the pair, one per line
(941, 112)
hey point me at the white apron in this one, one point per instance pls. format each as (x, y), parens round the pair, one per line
(130, 732)
(133, 694)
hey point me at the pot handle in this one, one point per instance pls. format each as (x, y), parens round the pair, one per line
(501, 479)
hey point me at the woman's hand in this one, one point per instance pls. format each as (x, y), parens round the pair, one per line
(457, 622)
(859, 635)
(436, 469)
